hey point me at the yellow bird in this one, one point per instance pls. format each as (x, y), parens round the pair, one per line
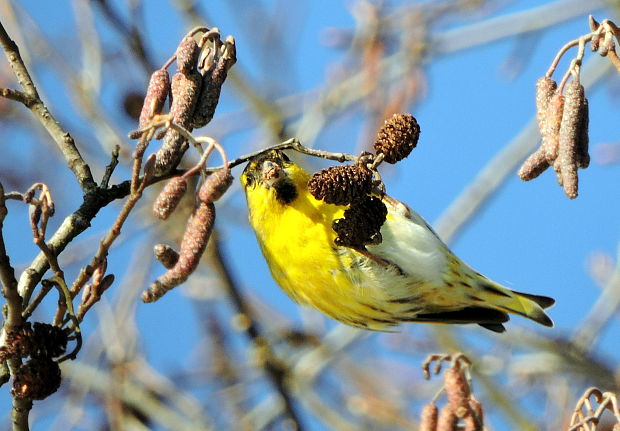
(410, 276)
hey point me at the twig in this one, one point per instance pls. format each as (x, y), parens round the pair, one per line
(115, 230)
(13, 319)
(63, 139)
(109, 169)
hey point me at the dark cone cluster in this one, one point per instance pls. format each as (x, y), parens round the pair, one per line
(341, 185)
(169, 197)
(41, 341)
(397, 138)
(215, 186)
(36, 379)
(48, 341)
(361, 224)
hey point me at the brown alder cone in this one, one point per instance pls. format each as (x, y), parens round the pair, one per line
(212, 82)
(156, 94)
(195, 239)
(169, 197)
(36, 379)
(570, 135)
(397, 137)
(428, 418)
(361, 224)
(341, 185)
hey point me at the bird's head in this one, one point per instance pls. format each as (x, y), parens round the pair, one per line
(275, 174)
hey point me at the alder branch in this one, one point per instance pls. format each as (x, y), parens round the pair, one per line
(63, 139)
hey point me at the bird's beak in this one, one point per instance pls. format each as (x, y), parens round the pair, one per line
(271, 173)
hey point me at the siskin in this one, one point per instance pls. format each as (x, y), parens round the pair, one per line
(410, 276)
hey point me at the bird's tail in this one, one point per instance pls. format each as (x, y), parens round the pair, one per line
(523, 304)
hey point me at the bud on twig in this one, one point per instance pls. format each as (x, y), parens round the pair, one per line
(169, 197)
(195, 238)
(341, 185)
(398, 137)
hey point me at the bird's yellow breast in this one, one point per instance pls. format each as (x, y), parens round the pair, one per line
(297, 241)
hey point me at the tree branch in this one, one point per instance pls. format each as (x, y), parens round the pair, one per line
(62, 138)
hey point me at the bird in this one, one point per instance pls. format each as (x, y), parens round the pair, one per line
(409, 276)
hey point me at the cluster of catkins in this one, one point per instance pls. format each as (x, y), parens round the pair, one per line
(199, 226)
(563, 124)
(195, 90)
(462, 411)
(353, 185)
(562, 112)
(39, 376)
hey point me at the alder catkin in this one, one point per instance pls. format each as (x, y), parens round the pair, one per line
(551, 127)
(545, 88)
(166, 255)
(570, 136)
(457, 390)
(187, 55)
(212, 82)
(583, 155)
(195, 239)
(428, 418)
(169, 197)
(156, 94)
(534, 165)
(215, 186)
(447, 419)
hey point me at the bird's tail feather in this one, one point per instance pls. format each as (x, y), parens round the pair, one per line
(523, 304)
(530, 306)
